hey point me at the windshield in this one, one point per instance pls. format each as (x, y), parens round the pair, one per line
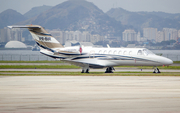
(148, 52)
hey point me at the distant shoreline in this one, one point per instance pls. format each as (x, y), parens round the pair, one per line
(15, 48)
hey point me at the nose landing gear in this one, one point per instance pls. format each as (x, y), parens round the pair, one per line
(156, 70)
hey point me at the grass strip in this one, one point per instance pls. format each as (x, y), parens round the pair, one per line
(149, 67)
(176, 62)
(38, 67)
(45, 61)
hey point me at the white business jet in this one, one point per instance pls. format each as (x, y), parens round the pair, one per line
(91, 57)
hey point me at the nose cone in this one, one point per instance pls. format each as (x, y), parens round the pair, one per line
(166, 61)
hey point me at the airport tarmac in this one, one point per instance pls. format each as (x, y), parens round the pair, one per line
(93, 70)
(97, 94)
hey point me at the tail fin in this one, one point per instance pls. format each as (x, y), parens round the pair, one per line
(41, 36)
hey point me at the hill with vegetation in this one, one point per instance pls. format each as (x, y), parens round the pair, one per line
(9, 17)
(35, 11)
(78, 15)
(140, 20)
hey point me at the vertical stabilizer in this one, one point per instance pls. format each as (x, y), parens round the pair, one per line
(41, 36)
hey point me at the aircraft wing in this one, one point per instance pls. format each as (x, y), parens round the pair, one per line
(82, 64)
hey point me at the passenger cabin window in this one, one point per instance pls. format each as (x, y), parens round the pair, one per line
(110, 52)
(105, 52)
(100, 52)
(115, 52)
(130, 52)
(125, 52)
(139, 52)
(120, 53)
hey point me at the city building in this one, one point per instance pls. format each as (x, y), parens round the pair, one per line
(76, 43)
(129, 35)
(96, 38)
(170, 34)
(56, 33)
(150, 33)
(139, 37)
(78, 36)
(178, 33)
(7, 34)
(85, 36)
(160, 36)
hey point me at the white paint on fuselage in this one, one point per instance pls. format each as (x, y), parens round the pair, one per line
(118, 57)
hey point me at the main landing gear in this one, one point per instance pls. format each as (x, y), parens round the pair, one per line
(85, 68)
(109, 70)
(85, 71)
(156, 70)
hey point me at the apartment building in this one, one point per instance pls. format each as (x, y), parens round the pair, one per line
(7, 35)
(129, 35)
(170, 34)
(150, 33)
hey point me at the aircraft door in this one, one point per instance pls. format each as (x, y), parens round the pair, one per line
(92, 54)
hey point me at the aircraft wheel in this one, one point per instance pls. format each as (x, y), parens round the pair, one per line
(87, 71)
(109, 70)
(82, 71)
(156, 70)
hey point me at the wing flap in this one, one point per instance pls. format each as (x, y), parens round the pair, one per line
(80, 64)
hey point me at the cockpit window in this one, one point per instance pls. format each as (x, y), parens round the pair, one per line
(139, 52)
(147, 52)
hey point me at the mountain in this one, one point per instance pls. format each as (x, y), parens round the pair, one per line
(78, 15)
(35, 11)
(163, 14)
(9, 17)
(141, 20)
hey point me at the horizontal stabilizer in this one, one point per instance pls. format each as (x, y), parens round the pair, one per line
(23, 26)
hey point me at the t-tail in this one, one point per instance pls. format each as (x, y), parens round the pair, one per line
(43, 39)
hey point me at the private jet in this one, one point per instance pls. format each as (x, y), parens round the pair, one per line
(92, 57)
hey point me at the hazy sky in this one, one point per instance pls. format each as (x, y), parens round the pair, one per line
(170, 6)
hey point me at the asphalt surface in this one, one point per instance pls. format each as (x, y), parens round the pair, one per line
(92, 70)
(97, 94)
